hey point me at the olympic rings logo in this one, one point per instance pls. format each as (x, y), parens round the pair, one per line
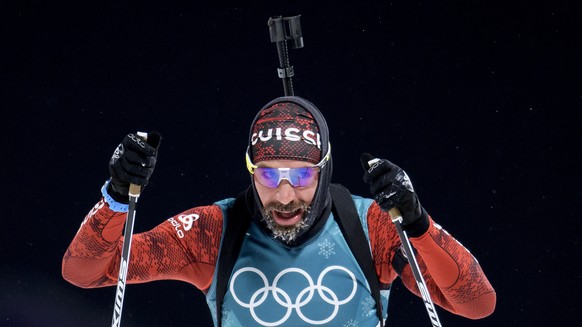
(283, 298)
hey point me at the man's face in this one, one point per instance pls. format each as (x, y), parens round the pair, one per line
(285, 206)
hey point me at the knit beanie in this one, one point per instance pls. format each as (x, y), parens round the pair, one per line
(285, 130)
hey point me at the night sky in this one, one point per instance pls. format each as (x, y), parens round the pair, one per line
(478, 101)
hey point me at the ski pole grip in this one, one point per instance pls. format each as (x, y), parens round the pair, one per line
(395, 214)
(135, 190)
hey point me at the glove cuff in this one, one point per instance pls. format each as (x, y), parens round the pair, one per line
(418, 227)
(113, 199)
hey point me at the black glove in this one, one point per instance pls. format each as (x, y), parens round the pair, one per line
(391, 187)
(132, 162)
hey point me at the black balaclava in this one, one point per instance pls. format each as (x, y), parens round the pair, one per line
(292, 128)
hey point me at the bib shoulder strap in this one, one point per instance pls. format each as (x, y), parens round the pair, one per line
(237, 223)
(347, 217)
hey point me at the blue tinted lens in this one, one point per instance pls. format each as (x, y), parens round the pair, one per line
(298, 177)
(268, 177)
(301, 177)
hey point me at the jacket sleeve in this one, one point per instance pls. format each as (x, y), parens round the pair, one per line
(453, 276)
(184, 247)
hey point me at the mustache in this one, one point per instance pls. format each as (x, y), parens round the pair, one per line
(291, 206)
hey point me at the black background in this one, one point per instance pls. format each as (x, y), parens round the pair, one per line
(478, 101)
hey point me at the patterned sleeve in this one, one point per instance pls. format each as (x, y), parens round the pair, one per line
(184, 247)
(454, 278)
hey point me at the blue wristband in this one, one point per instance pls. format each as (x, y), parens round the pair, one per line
(113, 205)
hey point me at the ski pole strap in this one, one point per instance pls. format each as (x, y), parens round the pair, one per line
(429, 305)
(348, 219)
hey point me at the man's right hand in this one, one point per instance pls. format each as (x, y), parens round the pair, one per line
(133, 162)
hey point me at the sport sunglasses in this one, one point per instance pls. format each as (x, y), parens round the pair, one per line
(297, 177)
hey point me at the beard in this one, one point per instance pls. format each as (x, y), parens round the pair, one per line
(285, 233)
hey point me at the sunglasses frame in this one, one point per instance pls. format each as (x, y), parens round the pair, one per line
(284, 172)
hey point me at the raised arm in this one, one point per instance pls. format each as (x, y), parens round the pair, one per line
(453, 276)
(184, 247)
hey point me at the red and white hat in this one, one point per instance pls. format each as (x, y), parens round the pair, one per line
(285, 130)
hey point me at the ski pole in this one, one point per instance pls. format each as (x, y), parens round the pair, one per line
(430, 308)
(429, 305)
(134, 193)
